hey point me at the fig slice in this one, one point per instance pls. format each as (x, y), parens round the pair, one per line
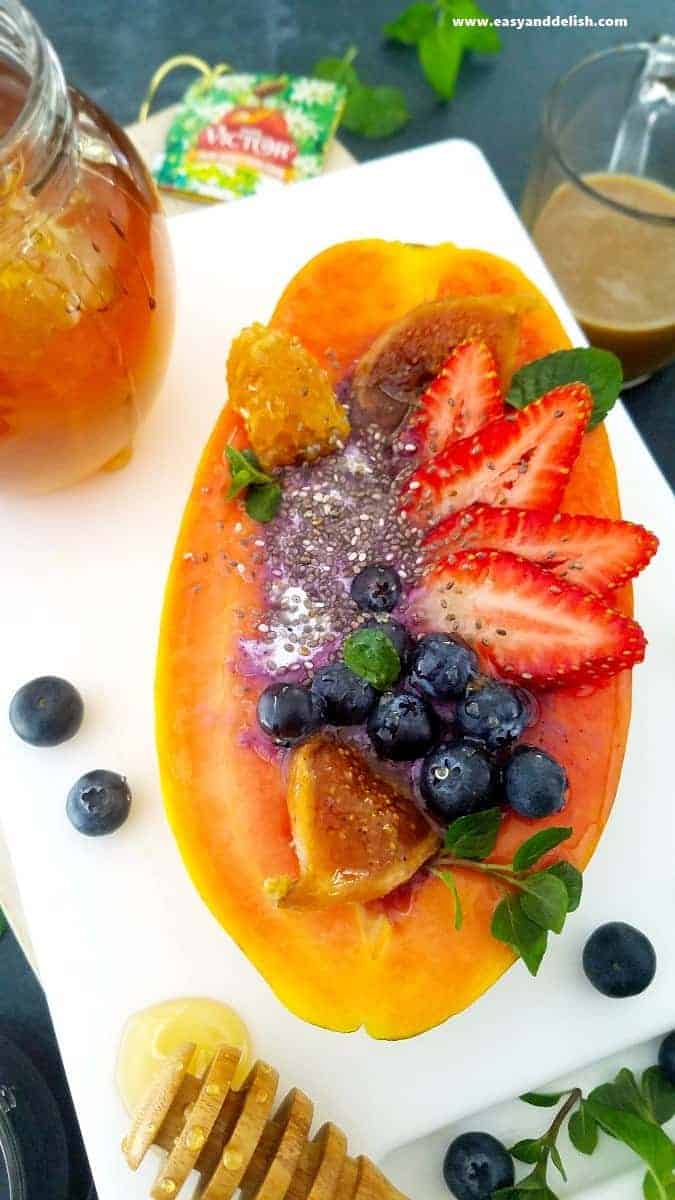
(404, 359)
(357, 836)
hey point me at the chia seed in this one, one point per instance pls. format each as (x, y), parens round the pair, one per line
(336, 514)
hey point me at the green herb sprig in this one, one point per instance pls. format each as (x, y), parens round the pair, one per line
(263, 492)
(372, 655)
(432, 27)
(536, 902)
(630, 1112)
(373, 112)
(600, 370)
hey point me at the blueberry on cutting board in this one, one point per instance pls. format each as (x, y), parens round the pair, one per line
(476, 1165)
(46, 711)
(98, 803)
(619, 960)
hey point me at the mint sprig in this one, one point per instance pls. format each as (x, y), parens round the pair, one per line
(263, 493)
(443, 31)
(600, 370)
(372, 655)
(631, 1113)
(371, 111)
(536, 901)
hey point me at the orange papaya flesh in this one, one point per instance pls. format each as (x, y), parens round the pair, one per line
(395, 972)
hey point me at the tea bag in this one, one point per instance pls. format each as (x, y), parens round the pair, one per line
(239, 135)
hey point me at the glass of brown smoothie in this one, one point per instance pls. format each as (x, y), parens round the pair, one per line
(600, 200)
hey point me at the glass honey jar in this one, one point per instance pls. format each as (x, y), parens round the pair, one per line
(86, 279)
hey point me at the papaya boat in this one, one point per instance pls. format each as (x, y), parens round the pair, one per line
(396, 602)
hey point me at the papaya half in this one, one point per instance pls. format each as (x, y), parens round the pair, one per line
(396, 969)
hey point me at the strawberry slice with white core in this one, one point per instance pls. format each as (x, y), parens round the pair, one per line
(526, 624)
(521, 460)
(465, 394)
(593, 552)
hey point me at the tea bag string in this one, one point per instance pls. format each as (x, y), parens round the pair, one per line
(210, 75)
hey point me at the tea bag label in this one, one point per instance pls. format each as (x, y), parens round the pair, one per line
(236, 135)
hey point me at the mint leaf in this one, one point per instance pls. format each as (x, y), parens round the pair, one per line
(652, 1190)
(622, 1093)
(659, 1094)
(262, 501)
(412, 24)
(529, 852)
(544, 900)
(573, 881)
(440, 53)
(644, 1138)
(473, 836)
(481, 39)
(375, 112)
(534, 1182)
(583, 1130)
(557, 1161)
(338, 70)
(510, 924)
(448, 879)
(372, 655)
(244, 470)
(542, 1099)
(599, 369)
(530, 1150)
(370, 111)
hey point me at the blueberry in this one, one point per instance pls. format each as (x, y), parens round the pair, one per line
(667, 1057)
(402, 641)
(288, 712)
(376, 588)
(458, 778)
(346, 697)
(402, 726)
(535, 784)
(493, 712)
(442, 666)
(476, 1165)
(98, 803)
(46, 711)
(619, 960)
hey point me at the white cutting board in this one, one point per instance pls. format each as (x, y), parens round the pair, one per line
(116, 922)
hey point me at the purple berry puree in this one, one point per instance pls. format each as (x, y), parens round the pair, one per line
(338, 514)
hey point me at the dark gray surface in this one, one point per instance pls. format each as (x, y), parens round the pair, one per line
(111, 48)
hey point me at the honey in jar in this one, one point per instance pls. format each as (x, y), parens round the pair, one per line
(86, 284)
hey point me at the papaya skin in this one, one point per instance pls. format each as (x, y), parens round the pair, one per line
(396, 973)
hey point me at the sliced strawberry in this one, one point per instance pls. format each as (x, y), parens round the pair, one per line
(522, 460)
(525, 623)
(465, 394)
(593, 552)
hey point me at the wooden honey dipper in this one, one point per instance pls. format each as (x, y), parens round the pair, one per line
(231, 1139)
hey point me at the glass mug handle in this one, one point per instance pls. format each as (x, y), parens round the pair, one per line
(653, 93)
